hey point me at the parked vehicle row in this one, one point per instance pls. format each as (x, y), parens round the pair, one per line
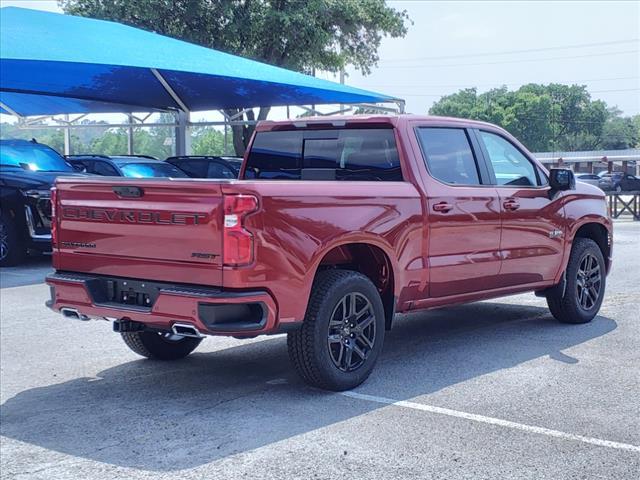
(618, 182)
(28, 170)
(611, 182)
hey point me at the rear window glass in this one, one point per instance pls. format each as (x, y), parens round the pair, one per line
(145, 170)
(33, 157)
(193, 168)
(348, 154)
(219, 170)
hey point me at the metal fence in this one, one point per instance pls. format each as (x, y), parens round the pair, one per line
(619, 206)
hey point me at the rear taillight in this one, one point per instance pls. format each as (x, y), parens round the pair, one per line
(237, 248)
(54, 218)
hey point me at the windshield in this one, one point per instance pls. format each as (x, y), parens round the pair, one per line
(34, 157)
(156, 169)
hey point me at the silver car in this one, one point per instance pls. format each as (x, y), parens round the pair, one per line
(590, 178)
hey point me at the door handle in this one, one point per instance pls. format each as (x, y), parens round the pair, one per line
(443, 207)
(511, 205)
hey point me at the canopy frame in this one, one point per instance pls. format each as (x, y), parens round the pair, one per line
(181, 125)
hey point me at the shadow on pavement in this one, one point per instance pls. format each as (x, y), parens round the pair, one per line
(32, 271)
(170, 416)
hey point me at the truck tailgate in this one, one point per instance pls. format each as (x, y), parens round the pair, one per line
(157, 229)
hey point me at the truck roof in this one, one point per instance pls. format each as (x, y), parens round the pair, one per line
(341, 120)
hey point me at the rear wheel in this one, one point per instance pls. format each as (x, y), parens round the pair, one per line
(342, 334)
(160, 345)
(11, 251)
(585, 284)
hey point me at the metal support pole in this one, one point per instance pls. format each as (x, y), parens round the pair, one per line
(226, 135)
(183, 139)
(67, 136)
(342, 83)
(130, 136)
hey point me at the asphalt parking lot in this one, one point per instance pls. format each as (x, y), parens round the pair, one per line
(491, 390)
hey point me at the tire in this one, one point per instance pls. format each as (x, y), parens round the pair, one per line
(157, 346)
(325, 351)
(618, 188)
(12, 252)
(573, 306)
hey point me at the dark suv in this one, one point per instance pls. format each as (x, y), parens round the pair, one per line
(619, 182)
(27, 172)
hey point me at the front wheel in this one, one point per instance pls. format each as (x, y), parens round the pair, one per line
(342, 334)
(160, 345)
(585, 283)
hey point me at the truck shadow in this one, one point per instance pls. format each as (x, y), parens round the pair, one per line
(162, 417)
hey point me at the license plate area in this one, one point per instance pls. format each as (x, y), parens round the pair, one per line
(123, 292)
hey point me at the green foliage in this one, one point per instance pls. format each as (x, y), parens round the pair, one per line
(51, 137)
(300, 35)
(620, 132)
(145, 142)
(545, 117)
(207, 141)
(295, 34)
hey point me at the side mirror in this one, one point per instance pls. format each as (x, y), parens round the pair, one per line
(561, 179)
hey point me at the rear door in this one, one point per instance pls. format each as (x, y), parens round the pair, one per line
(463, 214)
(167, 230)
(532, 223)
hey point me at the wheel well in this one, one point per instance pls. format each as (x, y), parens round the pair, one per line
(598, 234)
(372, 262)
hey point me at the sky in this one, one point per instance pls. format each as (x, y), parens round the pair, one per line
(445, 49)
(453, 45)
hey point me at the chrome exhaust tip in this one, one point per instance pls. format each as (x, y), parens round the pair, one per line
(185, 330)
(73, 314)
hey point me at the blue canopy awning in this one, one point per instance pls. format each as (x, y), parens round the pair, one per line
(52, 63)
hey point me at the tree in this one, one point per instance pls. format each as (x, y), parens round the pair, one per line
(544, 117)
(112, 142)
(208, 141)
(53, 138)
(299, 35)
(620, 133)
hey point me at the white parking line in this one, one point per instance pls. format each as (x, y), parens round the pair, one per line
(494, 421)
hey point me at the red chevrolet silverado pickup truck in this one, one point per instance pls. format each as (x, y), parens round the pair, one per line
(335, 225)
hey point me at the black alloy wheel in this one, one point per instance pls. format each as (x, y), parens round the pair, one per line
(352, 332)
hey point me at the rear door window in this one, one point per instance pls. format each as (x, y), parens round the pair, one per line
(340, 154)
(449, 156)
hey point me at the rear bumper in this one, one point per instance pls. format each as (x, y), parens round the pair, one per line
(212, 311)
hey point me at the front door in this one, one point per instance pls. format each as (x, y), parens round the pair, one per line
(531, 246)
(463, 215)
